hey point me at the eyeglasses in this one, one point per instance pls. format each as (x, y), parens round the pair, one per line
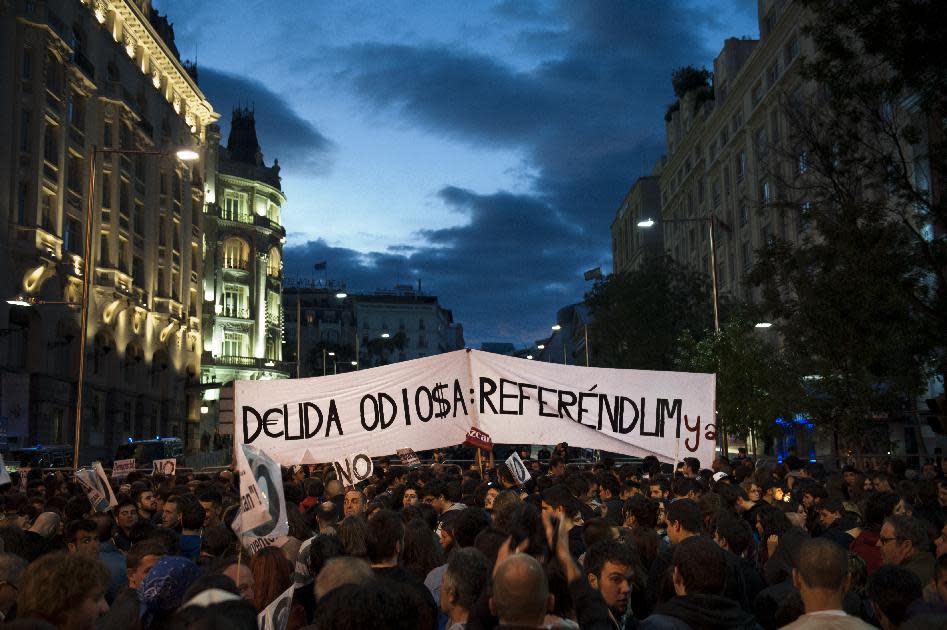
(884, 540)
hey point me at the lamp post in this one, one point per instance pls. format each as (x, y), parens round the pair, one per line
(710, 220)
(185, 155)
(556, 328)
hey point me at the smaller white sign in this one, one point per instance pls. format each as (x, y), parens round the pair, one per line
(276, 615)
(164, 466)
(354, 469)
(4, 475)
(518, 468)
(24, 473)
(409, 457)
(104, 484)
(89, 480)
(121, 468)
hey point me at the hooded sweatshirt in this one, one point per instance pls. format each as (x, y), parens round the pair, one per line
(700, 612)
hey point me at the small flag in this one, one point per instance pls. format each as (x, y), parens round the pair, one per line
(594, 274)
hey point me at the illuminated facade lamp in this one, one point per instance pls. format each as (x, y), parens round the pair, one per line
(763, 325)
(646, 223)
(385, 335)
(19, 301)
(557, 327)
(540, 346)
(187, 155)
(341, 295)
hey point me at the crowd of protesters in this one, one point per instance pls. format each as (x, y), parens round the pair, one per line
(595, 546)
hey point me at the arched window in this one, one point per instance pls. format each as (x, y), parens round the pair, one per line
(236, 253)
(274, 264)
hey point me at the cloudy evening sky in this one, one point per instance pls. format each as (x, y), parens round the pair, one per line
(481, 147)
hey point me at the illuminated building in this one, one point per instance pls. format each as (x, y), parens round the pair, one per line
(106, 74)
(243, 262)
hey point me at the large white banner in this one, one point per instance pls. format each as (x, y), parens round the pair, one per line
(432, 402)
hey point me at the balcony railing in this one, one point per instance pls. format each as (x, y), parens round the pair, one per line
(243, 265)
(248, 362)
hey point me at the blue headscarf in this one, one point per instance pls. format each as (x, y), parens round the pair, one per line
(162, 590)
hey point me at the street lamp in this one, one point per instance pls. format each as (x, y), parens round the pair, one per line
(710, 220)
(341, 295)
(385, 335)
(557, 327)
(764, 325)
(540, 346)
(183, 154)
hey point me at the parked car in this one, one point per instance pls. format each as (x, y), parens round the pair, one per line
(40, 456)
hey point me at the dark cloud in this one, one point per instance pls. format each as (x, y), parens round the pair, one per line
(589, 121)
(283, 134)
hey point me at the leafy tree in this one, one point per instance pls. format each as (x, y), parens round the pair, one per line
(638, 316)
(380, 350)
(755, 382)
(689, 78)
(860, 298)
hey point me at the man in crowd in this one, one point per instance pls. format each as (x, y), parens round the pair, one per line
(903, 542)
(822, 578)
(520, 593)
(354, 503)
(144, 499)
(608, 568)
(467, 575)
(82, 537)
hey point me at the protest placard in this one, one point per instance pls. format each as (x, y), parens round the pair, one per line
(262, 519)
(164, 467)
(409, 457)
(24, 472)
(276, 615)
(104, 484)
(121, 468)
(517, 468)
(89, 481)
(432, 403)
(354, 469)
(4, 475)
(479, 439)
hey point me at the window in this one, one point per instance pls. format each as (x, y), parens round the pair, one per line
(774, 126)
(274, 264)
(741, 165)
(139, 223)
(51, 145)
(766, 192)
(715, 192)
(22, 202)
(802, 162)
(235, 207)
(26, 67)
(791, 50)
(724, 137)
(236, 254)
(138, 271)
(106, 193)
(46, 216)
(726, 180)
(26, 119)
(744, 214)
(104, 258)
(737, 120)
(235, 301)
(760, 143)
(75, 111)
(74, 173)
(805, 216)
(72, 236)
(107, 135)
(756, 95)
(772, 74)
(747, 257)
(235, 344)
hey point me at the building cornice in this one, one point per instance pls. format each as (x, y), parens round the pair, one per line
(153, 57)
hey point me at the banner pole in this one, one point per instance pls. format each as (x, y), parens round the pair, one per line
(480, 462)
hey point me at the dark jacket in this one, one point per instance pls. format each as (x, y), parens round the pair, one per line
(699, 612)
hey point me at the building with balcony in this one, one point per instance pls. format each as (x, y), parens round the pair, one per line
(80, 75)
(242, 253)
(370, 329)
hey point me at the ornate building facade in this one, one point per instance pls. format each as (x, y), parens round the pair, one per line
(80, 77)
(243, 262)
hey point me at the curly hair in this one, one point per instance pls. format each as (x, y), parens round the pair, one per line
(57, 583)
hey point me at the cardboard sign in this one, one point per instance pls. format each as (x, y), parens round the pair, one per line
(104, 484)
(90, 482)
(262, 519)
(479, 439)
(164, 467)
(409, 457)
(276, 615)
(354, 469)
(518, 468)
(121, 468)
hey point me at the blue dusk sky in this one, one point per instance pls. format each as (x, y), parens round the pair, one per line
(482, 147)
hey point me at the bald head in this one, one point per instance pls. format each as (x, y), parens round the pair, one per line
(340, 571)
(822, 564)
(520, 592)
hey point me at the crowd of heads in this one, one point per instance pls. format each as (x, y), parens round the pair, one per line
(739, 544)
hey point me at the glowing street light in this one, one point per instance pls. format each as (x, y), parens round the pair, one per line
(646, 223)
(385, 335)
(341, 295)
(540, 346)
(557, 327)
(763, 325)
